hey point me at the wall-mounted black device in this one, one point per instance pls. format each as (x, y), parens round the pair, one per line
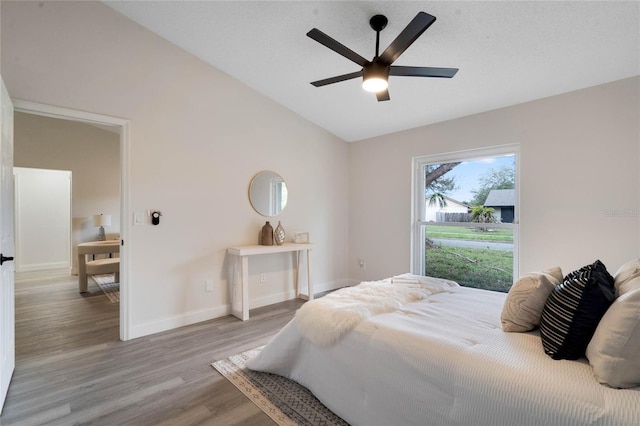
(155, 217)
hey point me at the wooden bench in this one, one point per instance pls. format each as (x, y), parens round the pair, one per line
(97, 266)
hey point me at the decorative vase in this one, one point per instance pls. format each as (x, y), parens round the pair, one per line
(267, 235)
(279, 234)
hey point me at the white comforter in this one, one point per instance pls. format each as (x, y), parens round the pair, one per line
(444, 360)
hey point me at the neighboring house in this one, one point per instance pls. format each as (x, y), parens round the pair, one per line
(435, 213)
(503, 202)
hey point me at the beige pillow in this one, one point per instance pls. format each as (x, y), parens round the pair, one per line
(626, 272)
(628, 286)
(523, 308)
(614, 349)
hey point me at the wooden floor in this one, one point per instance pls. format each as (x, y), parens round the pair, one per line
(71, 367)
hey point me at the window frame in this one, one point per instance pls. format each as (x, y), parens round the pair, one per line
(418, 204)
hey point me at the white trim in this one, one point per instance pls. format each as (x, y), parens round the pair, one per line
(331, 285)
(51, 111)
(66, 113)
(291, 294)
(469, 155)
(417, 207)
(271, 299)
(221, 311)
(469, 225)
(416, 264)
(44, 267)
(174, 322)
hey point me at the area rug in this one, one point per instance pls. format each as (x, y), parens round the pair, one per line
(284, 400)
(109, 287)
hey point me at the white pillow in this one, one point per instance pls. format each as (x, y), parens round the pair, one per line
(524, 304)
(626, 272)
(614, 349)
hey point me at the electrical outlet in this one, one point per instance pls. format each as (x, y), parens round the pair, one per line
(363, 265)
(208, 285)
(263, 278)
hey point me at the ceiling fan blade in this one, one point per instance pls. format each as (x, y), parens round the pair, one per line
(383, 95)
(422, 71)
(336, 46)
(416, 27)
(337, 79)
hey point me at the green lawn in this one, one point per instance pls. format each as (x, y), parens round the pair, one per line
(471, 267)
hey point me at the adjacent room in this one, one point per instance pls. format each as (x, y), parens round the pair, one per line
(217, 217)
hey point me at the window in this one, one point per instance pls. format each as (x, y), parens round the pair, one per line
(465, 217)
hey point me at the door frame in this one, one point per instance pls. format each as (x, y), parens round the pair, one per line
(124, 124)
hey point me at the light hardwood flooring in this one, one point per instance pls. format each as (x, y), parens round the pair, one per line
(71, 367)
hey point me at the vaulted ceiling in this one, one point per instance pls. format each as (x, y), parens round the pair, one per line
(508, 52)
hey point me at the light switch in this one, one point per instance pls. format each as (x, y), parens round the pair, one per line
(138, 219)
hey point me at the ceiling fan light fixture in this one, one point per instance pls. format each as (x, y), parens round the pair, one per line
(375, 73)
(375, 76)
(375, 84)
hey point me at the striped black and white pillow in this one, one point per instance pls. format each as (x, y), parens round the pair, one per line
(573, 309)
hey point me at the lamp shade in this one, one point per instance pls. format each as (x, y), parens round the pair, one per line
(375, 76)
(102, 220)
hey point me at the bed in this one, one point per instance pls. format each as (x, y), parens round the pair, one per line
(439, 356)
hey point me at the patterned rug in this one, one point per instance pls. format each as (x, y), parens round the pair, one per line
(284, 400)
(109, 287)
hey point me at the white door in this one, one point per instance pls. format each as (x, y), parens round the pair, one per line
(7, 314)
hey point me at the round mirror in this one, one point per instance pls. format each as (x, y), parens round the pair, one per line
(268, 193)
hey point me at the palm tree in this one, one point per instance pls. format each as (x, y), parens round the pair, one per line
(437, 198)
(482, 214)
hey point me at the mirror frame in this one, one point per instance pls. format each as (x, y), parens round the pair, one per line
(266, 192)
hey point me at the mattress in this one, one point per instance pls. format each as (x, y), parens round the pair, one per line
(445, 360)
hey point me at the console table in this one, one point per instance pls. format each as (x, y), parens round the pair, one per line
(240, 293)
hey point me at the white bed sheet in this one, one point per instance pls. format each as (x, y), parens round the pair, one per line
(445, 360)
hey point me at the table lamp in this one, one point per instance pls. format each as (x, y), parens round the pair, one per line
(101, 220)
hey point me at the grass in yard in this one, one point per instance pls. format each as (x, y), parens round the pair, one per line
(470, 267)
(464, 233)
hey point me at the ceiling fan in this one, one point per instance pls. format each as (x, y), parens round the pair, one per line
(376, 72)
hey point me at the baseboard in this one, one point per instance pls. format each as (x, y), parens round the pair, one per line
(332, 285)
(223, 310)
(271, 299)
(288, 295)
(42, 266)
(351, 283)
(178, 321)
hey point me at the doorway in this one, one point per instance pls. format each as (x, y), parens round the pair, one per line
(82, 225)
(42, 219)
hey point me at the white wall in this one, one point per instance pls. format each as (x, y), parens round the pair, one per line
(197, 138)
(579, 175)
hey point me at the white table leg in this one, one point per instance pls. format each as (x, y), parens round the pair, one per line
(245, 288)
(309, 295)
(309, 280)
(240, 289)
(296, 282)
